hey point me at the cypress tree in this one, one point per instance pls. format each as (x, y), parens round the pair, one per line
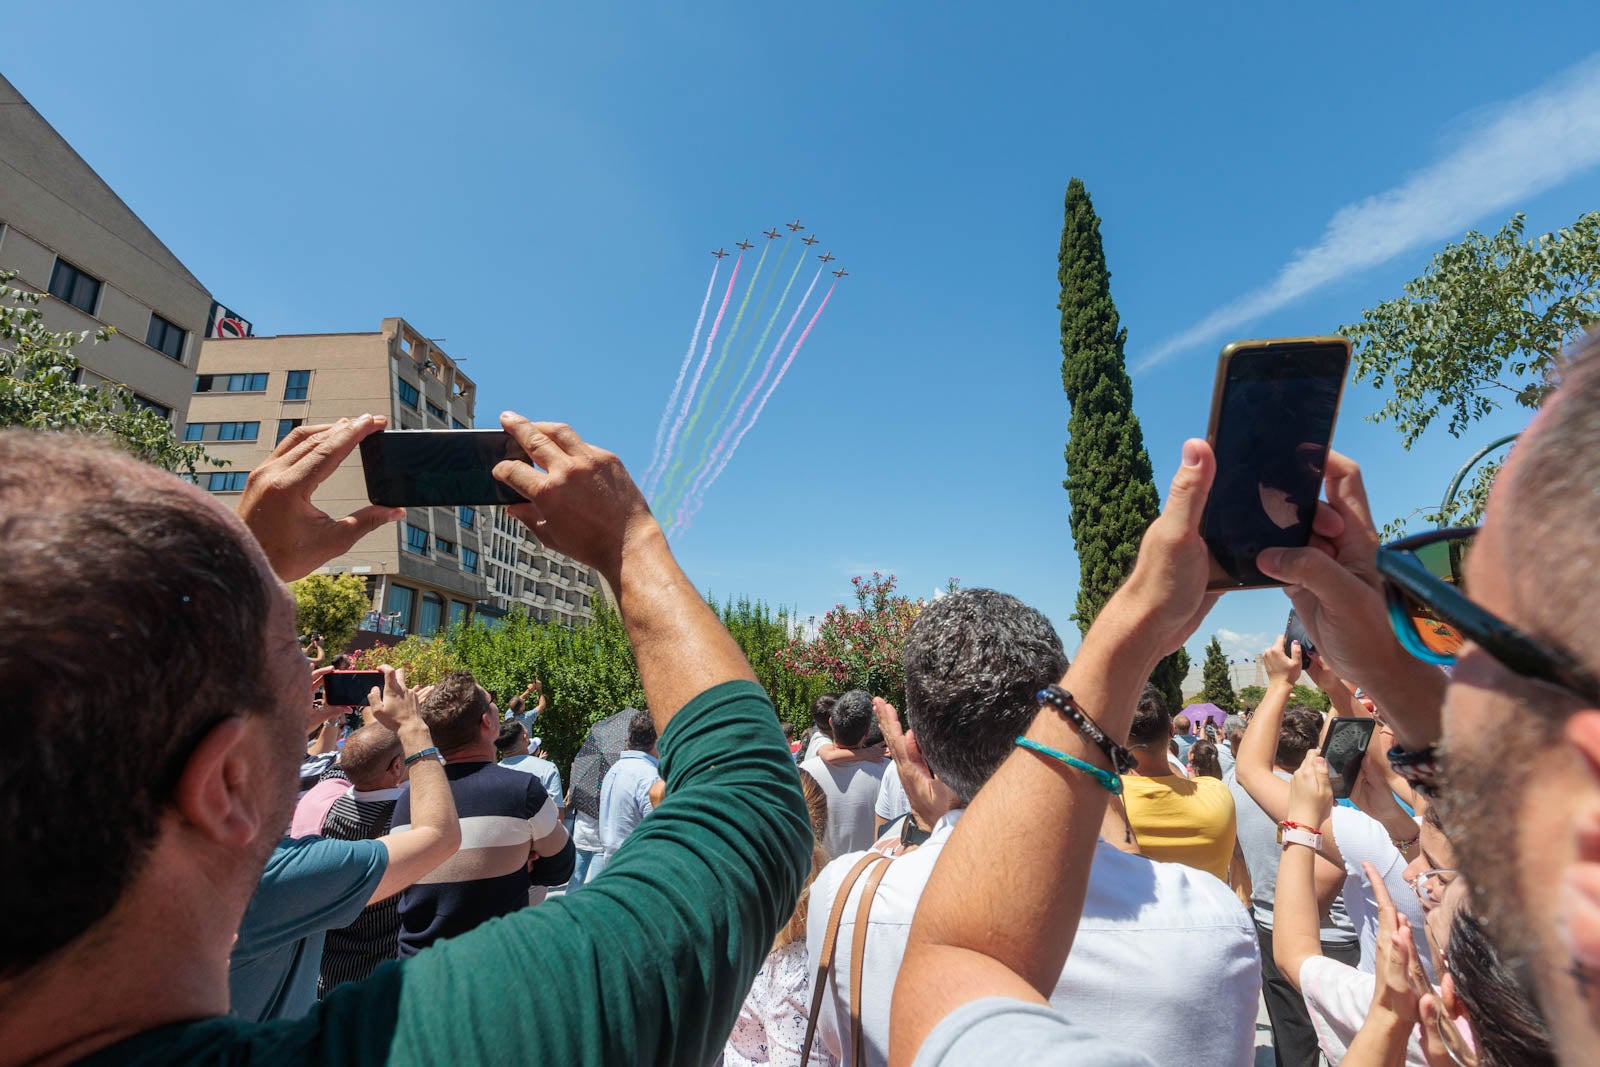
(1218, 679)
(1109, 481)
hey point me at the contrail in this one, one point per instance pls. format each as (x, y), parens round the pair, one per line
(683, 521)
(1515, 151)
(677, 386)
(720, 429)
(672, 436)
(674, 473)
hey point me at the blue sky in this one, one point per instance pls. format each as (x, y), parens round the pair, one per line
(540, 184)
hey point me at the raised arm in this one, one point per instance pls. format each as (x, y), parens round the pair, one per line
(1296, 918)
(435, 832)
(1253, 762)
(981, 930)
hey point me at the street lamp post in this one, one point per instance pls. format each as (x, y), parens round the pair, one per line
(1455, 483)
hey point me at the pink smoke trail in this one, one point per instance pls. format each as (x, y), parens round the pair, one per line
(733, 426)
(694, 384)
(689, 513)
(683, 371)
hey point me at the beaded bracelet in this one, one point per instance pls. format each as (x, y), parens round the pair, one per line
(1111, 782)
(1122, 760)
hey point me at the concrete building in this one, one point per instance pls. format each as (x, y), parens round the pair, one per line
(439, 566)
(64, 231)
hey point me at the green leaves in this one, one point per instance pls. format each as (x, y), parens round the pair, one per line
(1218, 679)
(331, 605)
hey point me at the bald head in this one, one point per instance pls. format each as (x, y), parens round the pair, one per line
(367, 756)
(130, 602)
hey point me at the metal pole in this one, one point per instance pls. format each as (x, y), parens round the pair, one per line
(1455, 483)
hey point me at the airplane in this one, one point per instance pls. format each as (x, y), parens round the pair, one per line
(810, 240)
(773, 235)
(827, 257)
(744, 245)
(841, 273)
(720, 254)
(796, 225)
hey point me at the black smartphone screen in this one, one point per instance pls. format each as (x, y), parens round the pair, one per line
(1294, 631)
(1273, 426)
(349, 689)
(1346, 746)
(437, 468)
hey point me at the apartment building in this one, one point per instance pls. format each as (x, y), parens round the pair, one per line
(65, 232)
(422, 574)
(521, 572)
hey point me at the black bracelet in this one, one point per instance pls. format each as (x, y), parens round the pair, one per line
(1122, 760)
(430, 752)
(1420, 767)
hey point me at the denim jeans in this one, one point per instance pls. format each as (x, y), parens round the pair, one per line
(580, 869)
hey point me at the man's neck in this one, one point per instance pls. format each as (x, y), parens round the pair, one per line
(478, 752)
(1151, 763)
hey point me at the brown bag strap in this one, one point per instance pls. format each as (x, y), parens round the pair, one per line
(858, 953)
(819, 985)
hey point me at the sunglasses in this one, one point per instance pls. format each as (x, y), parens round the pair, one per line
(1423, 581)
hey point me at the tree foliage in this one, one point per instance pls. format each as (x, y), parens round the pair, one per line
(1309, 696)
(1218, 679)
(331, 605)
(1249, 698)
(1110, 485)
(859, 648)
(1481, 327)
(37, 388)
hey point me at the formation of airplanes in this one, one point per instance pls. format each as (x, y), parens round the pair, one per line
(773, 234)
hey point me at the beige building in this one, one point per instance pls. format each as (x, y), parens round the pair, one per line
(64, 231)
(438, 566)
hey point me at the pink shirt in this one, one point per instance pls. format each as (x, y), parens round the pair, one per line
(314, 806)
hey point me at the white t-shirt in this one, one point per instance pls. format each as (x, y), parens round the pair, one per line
(852, 792)
(818, 739)
(586, 832)
(1155, 941)
(892, 802)
(1006, 1031)
(1338, 998)
(1361, 838)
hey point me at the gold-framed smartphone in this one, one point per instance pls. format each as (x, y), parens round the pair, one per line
(1273, 411)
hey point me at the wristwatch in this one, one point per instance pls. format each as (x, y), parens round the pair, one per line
(1293, 833)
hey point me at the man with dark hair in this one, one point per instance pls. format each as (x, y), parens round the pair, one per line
(851, 787)
(515, 750)
(975, 661)
(821, 723)
(125, 586)
(1175, 819)
(511, 837)
(625, 797)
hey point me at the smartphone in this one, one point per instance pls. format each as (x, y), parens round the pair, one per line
(349, 689)
(438, 468)
(1344, 749)
(1272, 416)
(1296, 631)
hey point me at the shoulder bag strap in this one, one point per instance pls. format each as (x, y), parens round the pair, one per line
(819, 985)
(858, 952)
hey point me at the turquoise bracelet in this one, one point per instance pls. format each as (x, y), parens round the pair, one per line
(1111, 782)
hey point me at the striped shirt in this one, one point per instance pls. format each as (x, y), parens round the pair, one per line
(502, 813)
(350, 953)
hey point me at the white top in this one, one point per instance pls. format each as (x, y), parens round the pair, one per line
(1338, 998)
(1156, 941)
(892, 802)
(771, 1028)
(1359, 837)
(852, 792)
(813, 746)
(586, 832)
(1001, 1030)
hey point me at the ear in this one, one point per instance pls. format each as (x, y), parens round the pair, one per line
(1580, 898)
(225, 792)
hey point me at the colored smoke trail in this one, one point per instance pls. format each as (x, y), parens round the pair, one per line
(694, 384)
(674, 476)
(694, 505)
(721, 429)
(766, 372)
(683, 371)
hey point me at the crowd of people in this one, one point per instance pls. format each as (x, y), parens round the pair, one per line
(1034, 861)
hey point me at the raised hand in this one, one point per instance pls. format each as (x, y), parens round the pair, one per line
(1282, 666)
(1310, 793)
(296, 535)
(930, 798)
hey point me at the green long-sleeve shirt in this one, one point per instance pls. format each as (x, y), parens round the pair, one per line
(651, 961)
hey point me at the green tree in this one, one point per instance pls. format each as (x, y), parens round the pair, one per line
(859, 648)
(1311, 697)
(331, 605)
(1249, 698)
(37, 388)
(765, 636)
(1218, 679)
(1109, 482)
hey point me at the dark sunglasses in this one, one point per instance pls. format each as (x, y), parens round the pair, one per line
(1432, 617)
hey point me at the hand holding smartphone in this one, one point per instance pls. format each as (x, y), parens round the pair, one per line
(438, 468)
(1272, 418)
(1345, 748)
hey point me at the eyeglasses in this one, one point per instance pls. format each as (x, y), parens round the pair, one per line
(1432, 617)
(1430, 886)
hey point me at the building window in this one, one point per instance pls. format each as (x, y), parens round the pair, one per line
(398, 608)
(469, 561)
(69, 283)
(458, 613)
(435, 410)
(286, 427)
(430, 615)
(408, 393)
(417, 539)
(164, 337)
(144, 403)
(296, 385)
(227, 481)
(230, 383)
(447, 547)
(457, 424)
(194, 431)
(466, 517)
(222, 431)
